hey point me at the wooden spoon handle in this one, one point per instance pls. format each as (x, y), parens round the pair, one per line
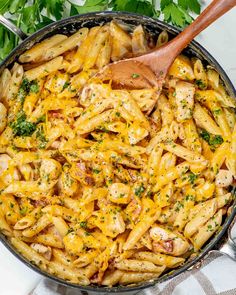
(162, 58)
(215, 10)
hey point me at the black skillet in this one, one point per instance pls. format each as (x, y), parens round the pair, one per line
(222, 241)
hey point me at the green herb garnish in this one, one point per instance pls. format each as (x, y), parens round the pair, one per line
(213, 140)
(83, 224)
(201, 84)
(139, 190)
(135, 76)
(22, 127)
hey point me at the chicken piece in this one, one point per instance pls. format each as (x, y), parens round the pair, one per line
(119, 193)
(46, 252)
(224, 178)
(167, 242)
(8, 172)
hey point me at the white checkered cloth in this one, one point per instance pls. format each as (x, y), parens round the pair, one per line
(217, 276)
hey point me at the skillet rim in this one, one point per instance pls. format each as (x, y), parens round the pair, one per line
(194, 47)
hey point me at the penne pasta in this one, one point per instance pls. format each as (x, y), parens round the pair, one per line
(44, 69)
(36, 53)
(66, 44)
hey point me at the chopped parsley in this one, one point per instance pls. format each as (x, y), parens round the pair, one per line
(201, 84)
(212, 140)
(189, 198)
(117, 114)
(217, 112)
(27, 87)
(179, 205)
(23, 210)
(210, 228)
(83, 224)
(139, 190)
(96, 171)
(41, 119)
(135, 76)
(70, 230)
(192, 177)
(66, 85)
(22, 127)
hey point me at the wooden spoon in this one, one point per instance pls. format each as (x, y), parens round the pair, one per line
(149, 70)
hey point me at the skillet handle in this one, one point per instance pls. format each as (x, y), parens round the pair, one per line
(12, 27)
(229, 247)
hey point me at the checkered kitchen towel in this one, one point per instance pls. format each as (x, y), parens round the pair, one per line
(217, 276)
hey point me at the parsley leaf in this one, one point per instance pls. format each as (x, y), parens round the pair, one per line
(22, 127)
(89, 6)
(176, 14)
(212, 140)
(53, 7)
(192, 5)
(27, 87)
(138, 6)
(139, 190)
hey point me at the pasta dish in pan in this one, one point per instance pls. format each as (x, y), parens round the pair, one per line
(111, 186)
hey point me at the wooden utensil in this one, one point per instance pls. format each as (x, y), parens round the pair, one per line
(149, 70)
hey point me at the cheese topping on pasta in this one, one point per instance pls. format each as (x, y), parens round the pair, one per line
(107, 186)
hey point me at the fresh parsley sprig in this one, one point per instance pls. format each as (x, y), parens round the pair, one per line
(32, 15)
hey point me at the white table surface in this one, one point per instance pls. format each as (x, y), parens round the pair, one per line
(220, 41)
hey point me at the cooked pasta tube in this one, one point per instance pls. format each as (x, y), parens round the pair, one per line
(60, 225)
(14, 84)
(185, 154)
(95, 48)
(159, 259)
(219, 156)
(139, 41)
(183, 210)
(36, 53)
(80, 55)
(44, 69)
(140, 228)
(191, 136)
(138, 265)
(4, 82)
(41, 223)
(49, 240)
(170, 175)
(136, 277)
(68, 273)
(29, 253)
(27, 220)
(205, 232)
(231, 156)
(162, 38)
(85, 258)
(205, 121)
(203, 215)
(67, 44)
(61, 257)
(112, 278)
(4, 226)
(95, 122)
(56, 210)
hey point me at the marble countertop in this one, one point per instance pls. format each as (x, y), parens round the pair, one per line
(220, 40)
